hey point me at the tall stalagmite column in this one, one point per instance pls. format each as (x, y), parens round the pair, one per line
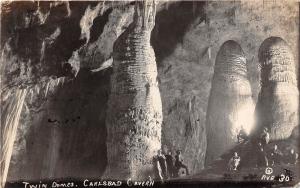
(230, 105)
(277, 106)
(134, 113)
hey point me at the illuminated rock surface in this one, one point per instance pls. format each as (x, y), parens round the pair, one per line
(230, 105)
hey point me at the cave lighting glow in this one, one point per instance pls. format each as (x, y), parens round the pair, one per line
(245, 117)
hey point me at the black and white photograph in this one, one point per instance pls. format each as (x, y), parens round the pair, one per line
(149, 93)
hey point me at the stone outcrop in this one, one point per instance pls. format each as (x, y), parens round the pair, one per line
(230, 101)
(134, 114)
(278, 102)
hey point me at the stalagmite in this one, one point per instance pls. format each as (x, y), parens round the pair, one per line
(230, 105)
(10, 115)
(278, 102)
(134, 113)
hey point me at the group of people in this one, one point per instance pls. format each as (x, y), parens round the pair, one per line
(166, 167)
(265, 155)
(273, 156)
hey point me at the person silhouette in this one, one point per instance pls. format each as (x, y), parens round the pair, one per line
(170, 164)
(179, 163)
(234, 162)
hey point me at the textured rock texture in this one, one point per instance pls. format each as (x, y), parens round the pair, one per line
(36, 39)
(278, 103)
(230, 105)
(134, 114)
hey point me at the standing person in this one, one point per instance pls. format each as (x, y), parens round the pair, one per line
(292, 157)
(157, 169)
(265, 137)
(242, 136)
(234, 162)
(170, 165)
(262, 160)
(179, 163)
(275, 155)
(162, 162)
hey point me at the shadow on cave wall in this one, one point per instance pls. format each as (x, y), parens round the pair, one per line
(171, 23)
(71, 140)
(85, 146)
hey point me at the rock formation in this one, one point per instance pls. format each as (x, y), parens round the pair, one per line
(230, 104)
(277, 106)
(10, 115)
(134, 114)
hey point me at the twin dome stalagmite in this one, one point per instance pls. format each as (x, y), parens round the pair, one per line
(230, 101)
(231, 106)
(278, 103)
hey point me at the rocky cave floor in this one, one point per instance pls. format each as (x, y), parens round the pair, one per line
(248, 171)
